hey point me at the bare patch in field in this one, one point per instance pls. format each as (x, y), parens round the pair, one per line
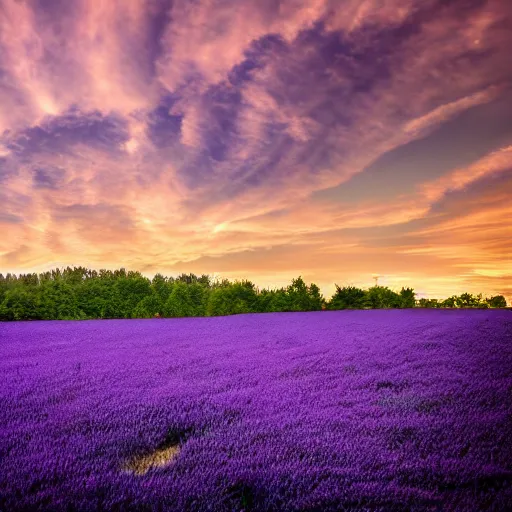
(160, 457)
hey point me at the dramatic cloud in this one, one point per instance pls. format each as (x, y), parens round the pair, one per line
(260, 138)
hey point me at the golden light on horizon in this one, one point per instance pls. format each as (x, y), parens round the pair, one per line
(250, 142)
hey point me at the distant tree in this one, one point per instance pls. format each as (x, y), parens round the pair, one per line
(94, 298)
(128, 290)
(91, 274)
(302, 297)
(56, 274)
(221, 283)
(198, 293)
(348, 297)
(273, 301)
(75, 275)
(316, 299)
(178, 304)
(162, 286)
(407, 298)
(28, 280)
(480, 302)
(205, 280)
(78, 292)
(186, 300)
(429, 303)
(378, 297)
(106, 275)
(150, 306)
(264, 300)
(467, 300)
(187, 278)
(298, 297)
(239, 297)
(120, 273)
(423, 303)
(3, 287)
(57, 300)
(450, 302)
(280, 301)
(497, 301)
(19, 304)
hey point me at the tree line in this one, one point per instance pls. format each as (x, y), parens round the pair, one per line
(81, 293)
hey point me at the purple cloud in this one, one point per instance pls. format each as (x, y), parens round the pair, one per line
(203, 129)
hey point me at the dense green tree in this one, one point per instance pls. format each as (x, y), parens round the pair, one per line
(119, 273)
(298, 297)
(75, 275)
(19, 303)
(205, 280)
(348, 297)
(273, 301)
(264, 300)
(199, 294)
(128, 291)
(28, 280)
(467, 300)
(56, 274)
(450, 302)
(149, 307)
(78, 292)
(316, 299)
(3, 287)
(407, 298)
(186, 300)
(106, 275)
(302, 297)
(94, 297)
(280, 301)
(162, 286)
(378, 297)
(429, 303)
(57, 300)
(497, 301)
(187, 278)
(423, 302)
(238, 297)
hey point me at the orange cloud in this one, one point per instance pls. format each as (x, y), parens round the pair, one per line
(494, 163)
(193, 136)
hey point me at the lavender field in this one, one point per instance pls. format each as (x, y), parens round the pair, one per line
(395, 410)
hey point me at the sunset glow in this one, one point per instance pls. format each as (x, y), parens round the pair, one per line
(336, 140)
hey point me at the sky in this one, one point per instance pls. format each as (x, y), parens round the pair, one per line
(262, 139)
